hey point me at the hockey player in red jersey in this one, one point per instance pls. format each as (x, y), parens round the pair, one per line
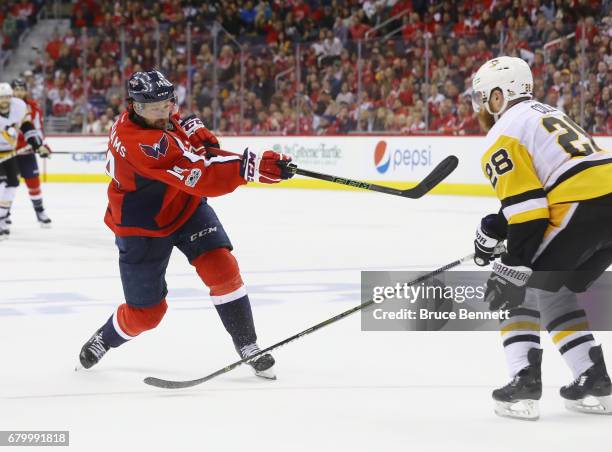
(28, 166)
(162, 172)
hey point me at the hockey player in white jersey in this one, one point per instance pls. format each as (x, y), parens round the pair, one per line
(14, 118)
(555, 187)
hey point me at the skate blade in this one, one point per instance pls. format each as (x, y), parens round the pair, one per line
(267, 374)
(525, 410)
(45, 225)
(591, 405)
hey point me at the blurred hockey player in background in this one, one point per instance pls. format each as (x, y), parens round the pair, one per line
(162, 172)
(17, 134)
(28, 166)
(555, 188)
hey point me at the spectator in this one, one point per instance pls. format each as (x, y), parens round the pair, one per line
(445, 120)
(467, 123)
(435, 98)
(100, 126)
(390, 77)
(76, 123)
(599, 126)
(358, 28)
(10, 30)
(63, 103)
(345, 96)
(53, 46)
(332, 47)
(24, 13)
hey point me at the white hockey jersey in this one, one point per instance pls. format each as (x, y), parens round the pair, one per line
(537, 157)
(9, 125)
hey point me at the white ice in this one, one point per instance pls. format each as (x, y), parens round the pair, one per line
(300, 253)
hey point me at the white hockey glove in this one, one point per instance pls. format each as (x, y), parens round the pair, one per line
(44, 151)
(489, 243)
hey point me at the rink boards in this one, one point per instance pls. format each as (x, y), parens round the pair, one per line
(391, 160)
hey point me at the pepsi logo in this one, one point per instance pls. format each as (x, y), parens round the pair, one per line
(382, 157)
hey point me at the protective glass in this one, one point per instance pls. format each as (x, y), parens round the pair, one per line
(478, 100)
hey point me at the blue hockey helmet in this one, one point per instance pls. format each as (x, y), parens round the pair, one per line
(150, 86)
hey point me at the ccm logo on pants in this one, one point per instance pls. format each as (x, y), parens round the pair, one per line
(202, 233)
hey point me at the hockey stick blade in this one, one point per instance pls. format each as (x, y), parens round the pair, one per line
(173, 384)
(437, 175)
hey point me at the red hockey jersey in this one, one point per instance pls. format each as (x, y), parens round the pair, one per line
(157, 182)
(36, 115)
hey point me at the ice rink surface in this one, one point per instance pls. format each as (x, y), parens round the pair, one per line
(301, 253)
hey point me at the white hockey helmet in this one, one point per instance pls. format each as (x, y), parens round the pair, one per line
(510, 74)
(6, 90)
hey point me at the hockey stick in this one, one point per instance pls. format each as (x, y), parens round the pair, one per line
(170, 384)
(437, 175)
(72, 152)
(28, 150)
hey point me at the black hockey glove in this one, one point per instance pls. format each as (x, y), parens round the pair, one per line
(31, 135)
(489, 243)
(507, 285)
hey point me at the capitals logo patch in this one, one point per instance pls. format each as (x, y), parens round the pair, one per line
(159, 148)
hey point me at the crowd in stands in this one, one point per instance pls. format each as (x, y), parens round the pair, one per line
(402, 86)
(15, 17)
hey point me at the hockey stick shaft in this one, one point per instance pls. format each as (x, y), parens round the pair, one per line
(440, 172)
(28, 150)
(437, 175)
(167, 384)
(72, 152)
(22, 151)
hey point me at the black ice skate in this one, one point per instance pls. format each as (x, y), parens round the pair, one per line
(43, 218)
(263, 366)
(519, 398)
(8, 220)
(591, 391)
(4, 228)
(93, 350)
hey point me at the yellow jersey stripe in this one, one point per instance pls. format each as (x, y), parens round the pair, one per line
(563, 334)
(529, 215)
(520, 326)
(589, 183)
